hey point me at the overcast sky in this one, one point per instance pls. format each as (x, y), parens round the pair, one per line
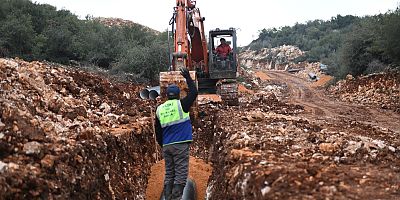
(249, 16)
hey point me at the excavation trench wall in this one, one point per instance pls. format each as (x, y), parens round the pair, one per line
(267, 148)
(69, 134)
(108, 167)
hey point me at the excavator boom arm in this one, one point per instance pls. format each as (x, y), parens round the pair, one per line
(190, 44)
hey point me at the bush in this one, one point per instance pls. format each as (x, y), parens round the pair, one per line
(40, 32)
(347, 44)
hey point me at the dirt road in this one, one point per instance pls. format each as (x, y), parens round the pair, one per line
(319, 106)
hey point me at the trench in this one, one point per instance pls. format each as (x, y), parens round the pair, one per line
(200, 163)
(200, 167)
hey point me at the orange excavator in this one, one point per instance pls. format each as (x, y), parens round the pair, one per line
(213, 73)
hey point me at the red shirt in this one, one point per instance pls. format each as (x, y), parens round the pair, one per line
(223, 50)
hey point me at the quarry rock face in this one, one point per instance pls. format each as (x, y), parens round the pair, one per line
(279, 58)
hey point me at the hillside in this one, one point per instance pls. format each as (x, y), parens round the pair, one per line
(347, 44)
(118, 22)
(34, 31)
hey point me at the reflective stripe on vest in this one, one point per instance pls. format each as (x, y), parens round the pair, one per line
(171, 113)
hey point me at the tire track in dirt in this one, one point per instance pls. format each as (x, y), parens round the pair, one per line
(319, 106)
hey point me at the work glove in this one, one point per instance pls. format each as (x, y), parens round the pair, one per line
(185, 72)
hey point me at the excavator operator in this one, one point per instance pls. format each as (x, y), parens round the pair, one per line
(223, 49)
(174, 134)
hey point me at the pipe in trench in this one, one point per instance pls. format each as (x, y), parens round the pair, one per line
(189, 192)
(150, 93)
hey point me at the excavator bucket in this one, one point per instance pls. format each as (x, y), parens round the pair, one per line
(174, 77)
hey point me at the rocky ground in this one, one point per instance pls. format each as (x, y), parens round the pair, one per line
(302, 146)
(379, 90)
(69, 134)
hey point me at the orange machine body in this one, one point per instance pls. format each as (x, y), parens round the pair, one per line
(190, 43)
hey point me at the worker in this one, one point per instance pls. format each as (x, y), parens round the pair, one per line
(223, 50)
(174, 134)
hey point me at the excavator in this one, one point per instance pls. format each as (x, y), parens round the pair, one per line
(212, 73)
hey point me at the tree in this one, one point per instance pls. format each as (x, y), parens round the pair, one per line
(391, 35)
(17, 36)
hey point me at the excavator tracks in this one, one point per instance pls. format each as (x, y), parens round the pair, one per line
(228, 90)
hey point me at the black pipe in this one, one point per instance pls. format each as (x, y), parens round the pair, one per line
(153, 94)
(144, 94)
(189, 193)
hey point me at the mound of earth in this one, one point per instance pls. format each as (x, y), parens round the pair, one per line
(381, 90)
(69, 134)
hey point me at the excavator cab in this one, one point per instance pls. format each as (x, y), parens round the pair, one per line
(222, 67)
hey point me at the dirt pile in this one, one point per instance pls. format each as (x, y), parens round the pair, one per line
(323, 81)
(68, 134)
(281, 58)
(271, 58)
(270, 149)
(381, 90)
(307, 68)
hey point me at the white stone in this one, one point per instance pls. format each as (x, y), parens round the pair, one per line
(12, 166)
(3, 166)
(265, 190)
(317, 155)
(106, 177)
(336, 159)
(379, 143)
(32, 148)
(105, 107)
(263, 162)
(353, 146)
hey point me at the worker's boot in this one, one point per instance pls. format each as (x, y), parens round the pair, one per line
(168, 191)
(177, 191)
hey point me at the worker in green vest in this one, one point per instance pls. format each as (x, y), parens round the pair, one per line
(174, 134)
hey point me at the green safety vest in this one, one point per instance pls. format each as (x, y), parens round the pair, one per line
(176, 124)
(171, 112)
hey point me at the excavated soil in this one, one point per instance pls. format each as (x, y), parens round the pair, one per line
(262, 75)
(323, 81)
(378, 90)
(303, 145)
(69, 134)
(242, 89)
